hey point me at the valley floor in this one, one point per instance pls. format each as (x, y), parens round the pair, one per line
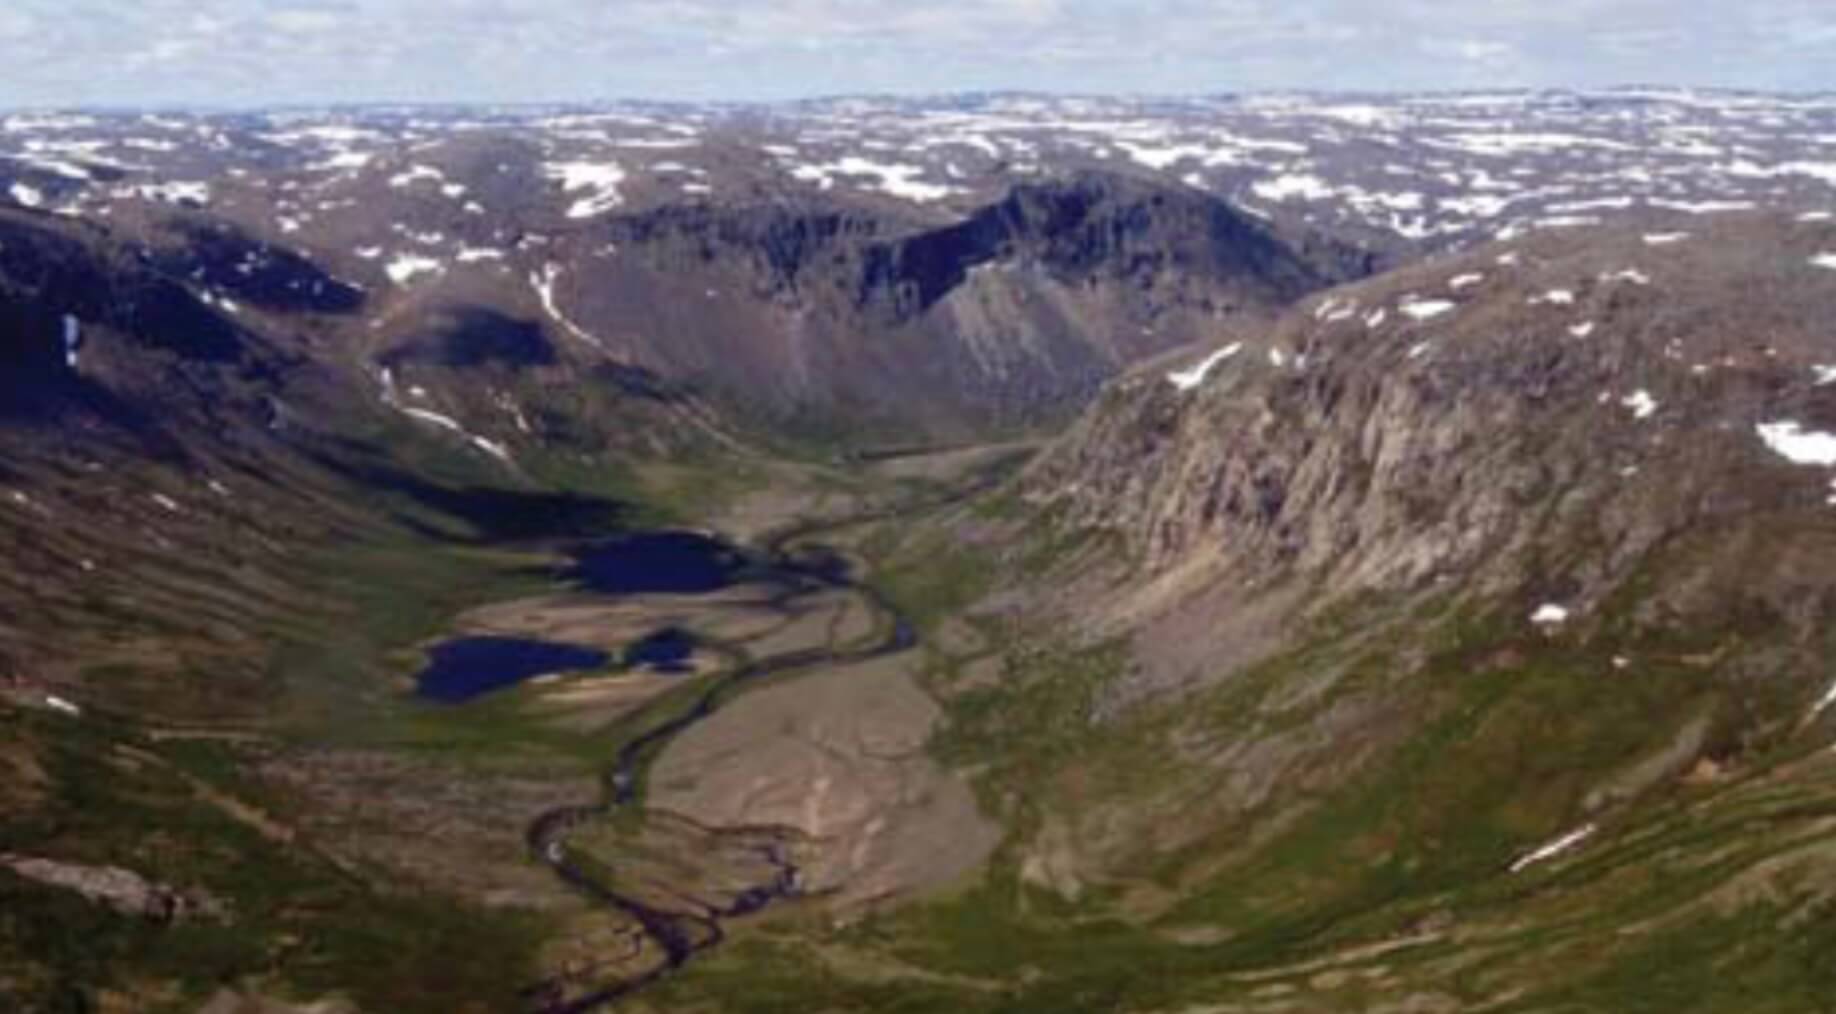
(936, 805)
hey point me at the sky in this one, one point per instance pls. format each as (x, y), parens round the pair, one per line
(261, 52)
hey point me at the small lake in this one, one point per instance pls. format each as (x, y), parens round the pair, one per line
(676, 563)
(667, 562)
(462, 669)
(666, 651)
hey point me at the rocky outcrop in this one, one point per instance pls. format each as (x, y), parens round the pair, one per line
(1528, 421)
(1091, 228)
(830, 318)
(50, 270)
(125, 891)
(223, 258)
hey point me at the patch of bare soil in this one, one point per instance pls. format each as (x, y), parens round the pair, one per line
(839, 758)
(736, 614)
(777, 507)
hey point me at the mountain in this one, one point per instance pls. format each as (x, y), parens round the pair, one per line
(1462, 641)
(885, 268)
(976, 553)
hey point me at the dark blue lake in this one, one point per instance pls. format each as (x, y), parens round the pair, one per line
(678, 563)
(667, 651)
(462, 669)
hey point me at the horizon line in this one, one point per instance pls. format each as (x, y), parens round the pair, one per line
(884, 95)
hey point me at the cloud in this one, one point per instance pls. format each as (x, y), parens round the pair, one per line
(16, 25)
(1476, 50)
(304, 21)
(254, 51)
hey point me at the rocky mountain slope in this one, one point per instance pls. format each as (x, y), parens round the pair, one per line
(1436, 650)
(876, 266)
(1424, 607)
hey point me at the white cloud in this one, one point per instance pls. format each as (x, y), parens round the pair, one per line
(304, 21)
(15, 25)
(70, 51)
(1475, 50)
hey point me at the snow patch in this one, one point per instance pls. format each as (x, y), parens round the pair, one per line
(1583, 329)
(406, 268)
(1703, 207)
(1553, 849)
(600, 179)
(1822, 705)
(1641, 403)
(1824, 260)
(1664, 238)
(1525, 143)
(490, 447)
(1305, 186)
(1549, 614)
(73, 340)
(899, 180)
(1426, 309)
(1188, 379)
(174, 192)
(544, 285)
(1797, 445)
(416, 173)
(1334, 310)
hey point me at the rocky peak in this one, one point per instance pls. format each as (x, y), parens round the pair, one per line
(1090, 227)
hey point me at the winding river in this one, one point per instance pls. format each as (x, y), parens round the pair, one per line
(800, 568)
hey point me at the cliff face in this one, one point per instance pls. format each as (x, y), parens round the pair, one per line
(1092, 229)
(1530, 419)
(807, 310)
(1459, 611)
(1591, 451)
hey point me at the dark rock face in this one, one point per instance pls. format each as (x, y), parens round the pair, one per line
(224, 258)
(637, 382)
(45, 275)
(818, 317)
(99, 348)
(473, 336)
(1088, 227)
(781, 245)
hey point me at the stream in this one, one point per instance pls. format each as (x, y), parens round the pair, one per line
(798, 568)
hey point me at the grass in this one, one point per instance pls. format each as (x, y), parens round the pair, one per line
(1475, 738)
(295, 920)
(1490, 737)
